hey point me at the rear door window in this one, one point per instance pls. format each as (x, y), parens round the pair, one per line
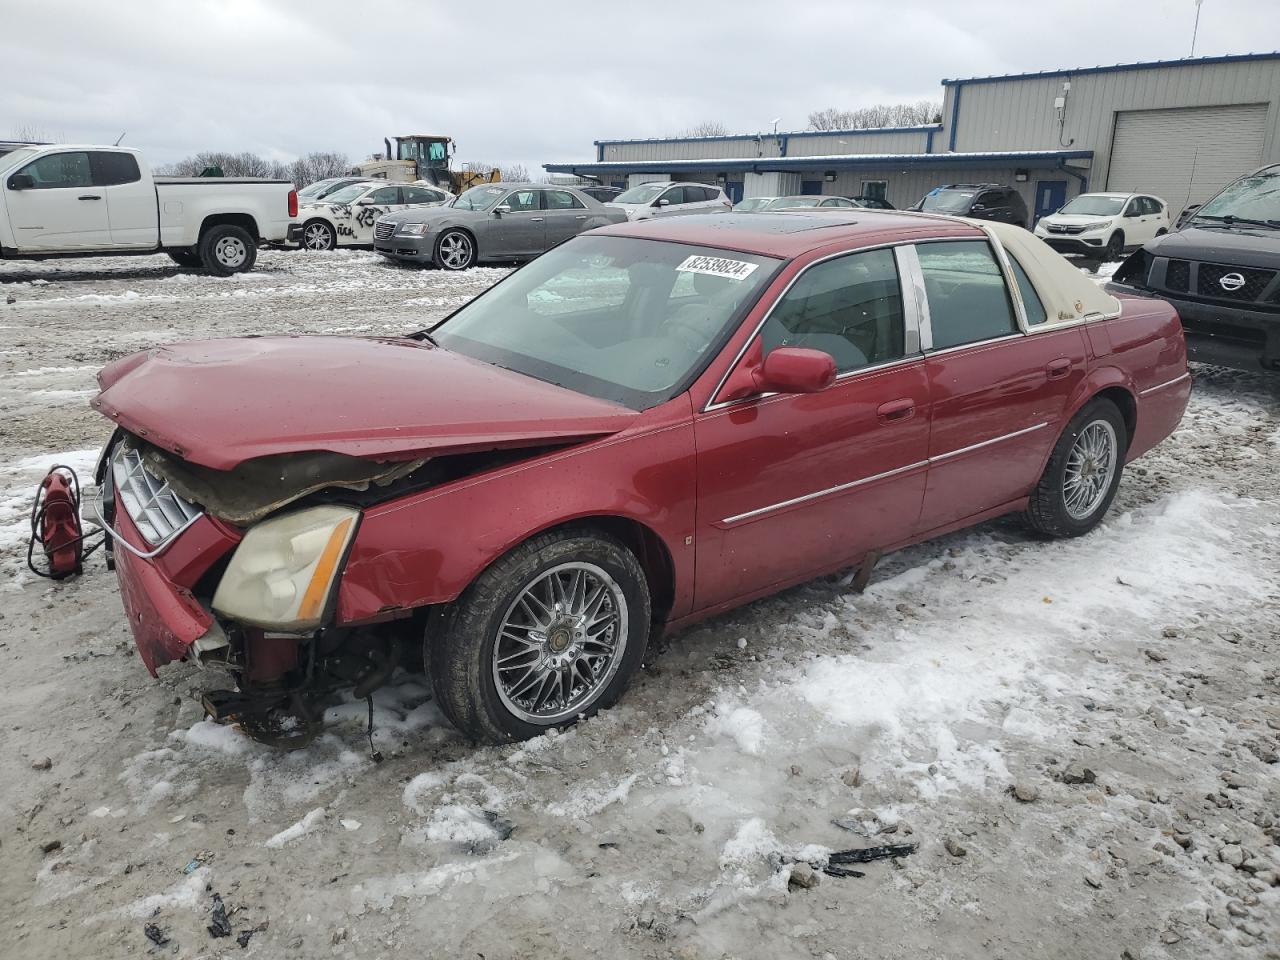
(849, 307)
(422, 195)
(113, 169)
(968, 302)
(562, 200)
(386, 196)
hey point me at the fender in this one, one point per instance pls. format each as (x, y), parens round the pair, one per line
(427, 548)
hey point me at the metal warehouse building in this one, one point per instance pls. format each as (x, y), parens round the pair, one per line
(1179, 129)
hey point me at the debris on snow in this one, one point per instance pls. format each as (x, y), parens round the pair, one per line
(299, 829)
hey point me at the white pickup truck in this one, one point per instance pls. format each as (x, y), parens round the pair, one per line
(67, 201)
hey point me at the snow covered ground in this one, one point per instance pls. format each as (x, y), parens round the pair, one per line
(1125, 685)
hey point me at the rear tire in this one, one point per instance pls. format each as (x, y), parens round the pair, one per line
(186, 258)
(1083, 473)
(226, 249)
(567, 611)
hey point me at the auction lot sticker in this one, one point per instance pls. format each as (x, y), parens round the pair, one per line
(718, 267)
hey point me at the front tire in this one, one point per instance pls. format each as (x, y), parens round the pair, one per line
(318, 235)
(226, 249)
(1115, 247)
(455, 250)
(549, 634)
(1083, 473)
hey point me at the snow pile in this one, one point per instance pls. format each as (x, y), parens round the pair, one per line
(742, 725)
(300, 829)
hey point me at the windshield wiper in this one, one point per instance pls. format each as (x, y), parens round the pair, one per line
(1230, 220)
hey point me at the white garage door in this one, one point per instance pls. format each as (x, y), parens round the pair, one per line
(1185, 155)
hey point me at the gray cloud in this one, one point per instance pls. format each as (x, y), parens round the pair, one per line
(510, 83)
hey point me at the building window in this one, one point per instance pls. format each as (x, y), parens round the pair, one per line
(875, 189)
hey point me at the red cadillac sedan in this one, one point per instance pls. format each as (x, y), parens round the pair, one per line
(649, 424)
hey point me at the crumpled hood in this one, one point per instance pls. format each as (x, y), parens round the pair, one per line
(219, 403)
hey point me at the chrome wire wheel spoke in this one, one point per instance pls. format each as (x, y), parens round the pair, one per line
(1090, 468)
(560, 644)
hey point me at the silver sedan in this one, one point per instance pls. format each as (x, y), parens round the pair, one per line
(493, 221)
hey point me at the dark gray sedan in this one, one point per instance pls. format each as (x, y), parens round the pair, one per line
(493, 221)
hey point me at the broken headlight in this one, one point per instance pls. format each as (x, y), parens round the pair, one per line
(282, 574)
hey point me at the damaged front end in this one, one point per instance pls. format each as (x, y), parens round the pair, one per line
(212, 569)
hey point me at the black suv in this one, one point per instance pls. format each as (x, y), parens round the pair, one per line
(981, 201)
(1221, 271)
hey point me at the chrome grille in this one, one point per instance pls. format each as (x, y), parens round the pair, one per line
(1061, 228)
(383, 231)
(157, 512)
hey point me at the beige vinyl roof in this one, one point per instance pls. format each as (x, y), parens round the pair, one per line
(1068, 295)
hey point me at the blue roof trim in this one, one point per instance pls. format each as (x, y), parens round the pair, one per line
(769, 135)
(1120, 67)
(1030, 158)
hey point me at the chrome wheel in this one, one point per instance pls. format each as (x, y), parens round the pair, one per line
(1091, 466)
(317, 236)
(456, 251)
(560, 643)
(231, 252)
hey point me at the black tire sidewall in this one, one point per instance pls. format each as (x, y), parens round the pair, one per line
(1115, 246)
(1100, 409)
(472, 629)
(215, 233)
(475, 251)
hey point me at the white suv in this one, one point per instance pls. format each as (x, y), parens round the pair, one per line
(1104, 224)
(669, 199)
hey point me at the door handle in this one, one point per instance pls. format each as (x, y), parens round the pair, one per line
(583, 217)
(91, 196)
(535, 219)
(1057, 369)
(896, 411)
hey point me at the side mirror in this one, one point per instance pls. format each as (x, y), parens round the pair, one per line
(501, 208)
(21, 181)
(796, 370)
(664, 202)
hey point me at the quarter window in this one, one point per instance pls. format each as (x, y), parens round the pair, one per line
(1031, 301)
(850, 308)
(60, 170)
(967, 297)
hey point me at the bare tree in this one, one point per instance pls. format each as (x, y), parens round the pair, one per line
(707, 128)
(879, 115)
(304, 170)
(478, 166)
(30, 133)
(515, 173)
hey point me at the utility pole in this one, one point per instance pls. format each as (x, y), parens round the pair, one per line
(1196, 30)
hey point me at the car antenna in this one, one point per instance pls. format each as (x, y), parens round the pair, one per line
(119, 138)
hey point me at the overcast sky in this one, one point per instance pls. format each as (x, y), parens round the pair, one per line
(511, 84)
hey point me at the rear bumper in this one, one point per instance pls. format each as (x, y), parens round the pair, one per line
(1227, 336)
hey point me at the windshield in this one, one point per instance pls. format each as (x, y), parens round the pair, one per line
(1249, 198)
(948, 201)
(755, 203)
(479, 198)
(618, 318)
(645, 193)
(1095, 205)
(347, 194)
(783, 203)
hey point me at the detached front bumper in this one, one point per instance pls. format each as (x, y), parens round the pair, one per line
(408, 249)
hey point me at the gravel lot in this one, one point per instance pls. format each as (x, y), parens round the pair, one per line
(1127, 685)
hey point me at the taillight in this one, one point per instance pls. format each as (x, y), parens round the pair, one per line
(293, 203)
